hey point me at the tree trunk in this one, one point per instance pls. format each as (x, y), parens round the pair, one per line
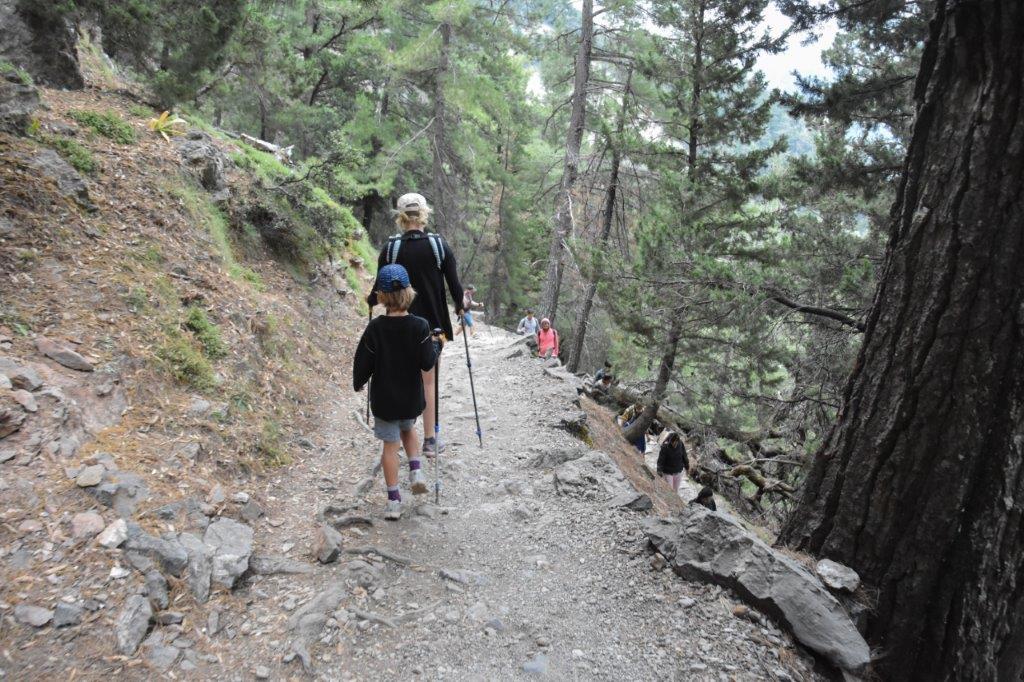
(920, 485)
(439, 139)
(668, 361)
(498, 280)
(576, 352)
(570, 168)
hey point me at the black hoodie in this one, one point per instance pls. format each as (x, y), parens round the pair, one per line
(394, 350)
(417, 256)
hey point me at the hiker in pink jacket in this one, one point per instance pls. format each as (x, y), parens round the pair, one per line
(547, 340)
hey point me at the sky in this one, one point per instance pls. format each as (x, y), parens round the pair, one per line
(806, 59)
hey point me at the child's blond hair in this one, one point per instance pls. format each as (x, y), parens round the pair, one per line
(410, 219)
(396, 301)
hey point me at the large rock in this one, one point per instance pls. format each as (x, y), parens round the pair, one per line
(200, 566)
(710, 547)
(36, 616)
(41, 42)
(231, 544)
(132, 624)
(836, 576)
(62, 354)
(201, 156)
(590, 475)
(168, 554)
(122, 491)
(49, 164)
(326, 544)
(17, 103)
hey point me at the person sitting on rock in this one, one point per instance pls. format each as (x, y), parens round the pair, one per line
(547, 340)
(672, 460)
(392, 355)
(705, 498)
(604, 371)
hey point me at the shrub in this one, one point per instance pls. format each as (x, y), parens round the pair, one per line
(166, 125)
(186, 363)
(22, 75)
(108, 124)
(270, 447)
(79, 157)
(206, 332)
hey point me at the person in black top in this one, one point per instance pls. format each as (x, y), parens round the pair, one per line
(705, 498)
(430, 264)
(672, 460)
(392, 355)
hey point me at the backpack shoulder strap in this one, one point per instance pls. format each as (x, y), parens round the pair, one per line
(437, 246)
(394, 244)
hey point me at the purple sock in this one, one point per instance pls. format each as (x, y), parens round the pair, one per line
(414, 464)
(393, 493)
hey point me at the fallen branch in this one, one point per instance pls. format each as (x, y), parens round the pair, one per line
(387, 554)
(373, 617)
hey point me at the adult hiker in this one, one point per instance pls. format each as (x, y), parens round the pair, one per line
(430, 263)
(393, 352)
(529, 325)
(604, 371)
(547, 340)
(467, 306)
(672, 460)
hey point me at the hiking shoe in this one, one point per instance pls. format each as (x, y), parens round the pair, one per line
(433, 446)
(393, 510)
(418, 482)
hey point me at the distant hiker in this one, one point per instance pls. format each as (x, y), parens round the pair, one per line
(467, 306)
(601, 373)
(528, 325)
(430, 263)
(393, 353)
(630, 415)
(705, 498)
(547, 340)
(672, 460)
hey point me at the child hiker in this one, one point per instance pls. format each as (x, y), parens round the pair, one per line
(392, 354)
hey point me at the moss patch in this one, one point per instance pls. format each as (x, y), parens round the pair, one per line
(180, 356)
(79, 157)
(206, 332)
(106, 123)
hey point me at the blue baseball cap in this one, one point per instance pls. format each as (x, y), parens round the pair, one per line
(392, 277)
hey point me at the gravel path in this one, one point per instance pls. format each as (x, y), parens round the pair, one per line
(509, 577)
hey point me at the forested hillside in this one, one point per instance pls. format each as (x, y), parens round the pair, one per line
(818, 286)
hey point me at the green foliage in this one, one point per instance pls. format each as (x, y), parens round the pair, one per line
(22, 75)
(206, 332)
(108, 124)
(185, 361)
(80, 158)
(166, 125)
(140, 111)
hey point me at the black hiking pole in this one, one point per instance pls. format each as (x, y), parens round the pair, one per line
(472, 390)
(437, 419)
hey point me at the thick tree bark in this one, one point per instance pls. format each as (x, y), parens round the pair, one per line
(439, 137)
(920, 485)
(571, 166)
(498, 280)
(607, 216)
(668, 361)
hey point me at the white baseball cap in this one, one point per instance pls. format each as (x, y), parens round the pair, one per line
(411, 202)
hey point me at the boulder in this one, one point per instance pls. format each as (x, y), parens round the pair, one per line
(18, 101)
(326, 544)
(122, 491)
(710, 547)
(200, 566)
(62, 354)
(201, 156)
(114, 534)
(85, 525)
(231, 545)
(10, 421)
(42, 42)
(593, 473)
(168, 554)
(132, 624)
(836, 576)
(49, 164)
(19, 375)
(36, 616)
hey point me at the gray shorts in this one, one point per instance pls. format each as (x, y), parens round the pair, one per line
(391, 432)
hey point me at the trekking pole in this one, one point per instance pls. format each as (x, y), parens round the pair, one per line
(437, 421)
(472, 390)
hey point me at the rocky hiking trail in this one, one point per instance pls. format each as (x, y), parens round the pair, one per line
(529, 565)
